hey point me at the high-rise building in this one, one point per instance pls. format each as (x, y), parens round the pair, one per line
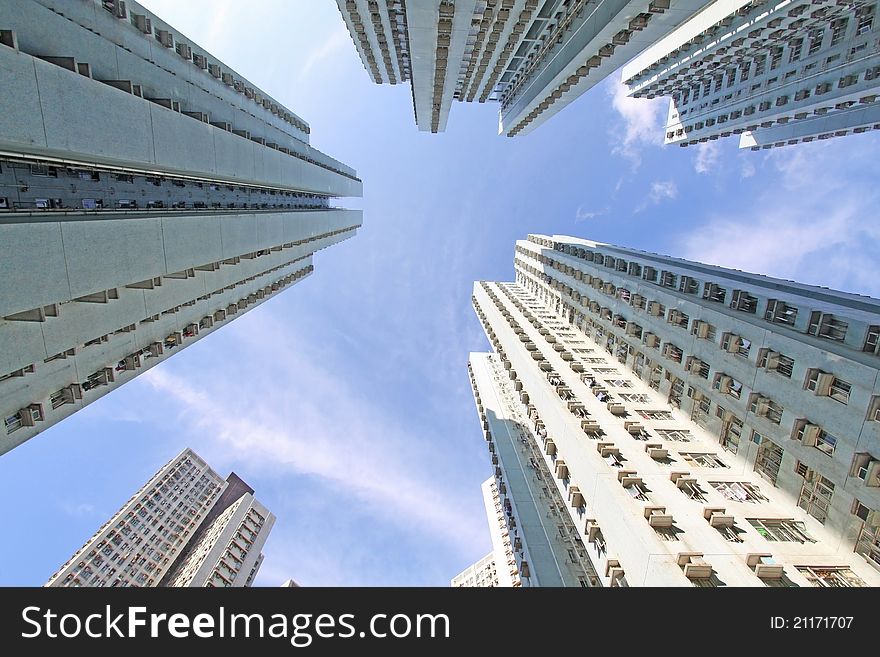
(148, 195)
(499, 567)
(186, 526)
(774, 73)
(662, 422)
(532, 56)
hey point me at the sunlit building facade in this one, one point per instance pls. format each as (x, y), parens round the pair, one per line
(657, 421)
(773, 72)
(186, 527)
(534, 57)
(149, 194)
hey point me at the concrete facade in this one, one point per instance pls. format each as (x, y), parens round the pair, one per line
(699, 425)
(774, 73)
(499, 567)
(148, 194)
(212, 536)
(532, 56)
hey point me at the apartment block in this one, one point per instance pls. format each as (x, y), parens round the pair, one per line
(185, 527)
(149, 194)
(499, 567)
(659, 421)
(774, 73)
(534, 57)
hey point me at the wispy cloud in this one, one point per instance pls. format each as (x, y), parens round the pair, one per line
(660, 190)
(583, 215)
(332, 434)
(78, 510)
(707, 156)
(748, 167)
(642, 123)
(809, 226)
(334, 43)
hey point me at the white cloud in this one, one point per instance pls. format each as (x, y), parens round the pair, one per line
(748, 168)
(810, 225)
(661, 190)
(80, 510)
(642, 122)
(707, 156)
(318, 57)
(583, 215)
(300, 417)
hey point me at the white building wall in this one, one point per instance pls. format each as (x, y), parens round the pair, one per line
(555, 334)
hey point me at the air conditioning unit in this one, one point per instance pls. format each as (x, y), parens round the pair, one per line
(654, 308)
(695, 366)
(733, 343)
(872, 474)
(702, 330)
(773, 360)
(809, 434)
(725, 383)
(762, 406)
(721, 520)
(652, 340)
(824, 383)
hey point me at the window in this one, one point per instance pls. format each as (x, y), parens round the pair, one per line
(736, 345)
(795, 48)
(872, 340)
(678, 318)
(838, 29)
(768, 459)
(825, 442)
(731, 432)
(632, 397)
(816, 37)
(672, 352)
(678, 435)
(760, 64)
(781, 530)
(703, 330)
(835, 577)
(739, 491)
(727, 385)
(775, 362)
(868, 542)
(698, 367)
(703, 460)
(655, 415)
(743, 301)
(865, 20)
(874, 409)
(816, 494)
(775, 57)
(826, 325)
(714, 292)
(824, 384)
(619, 383)
(689, 285)
(766, 408)
(780, 312)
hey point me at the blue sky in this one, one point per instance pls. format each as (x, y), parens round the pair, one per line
(345, 401)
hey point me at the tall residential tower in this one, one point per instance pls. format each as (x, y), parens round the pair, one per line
(655, 421)
(185, 527)
(773, 72)
(499, 568)
(148, 195)
(532, 56)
